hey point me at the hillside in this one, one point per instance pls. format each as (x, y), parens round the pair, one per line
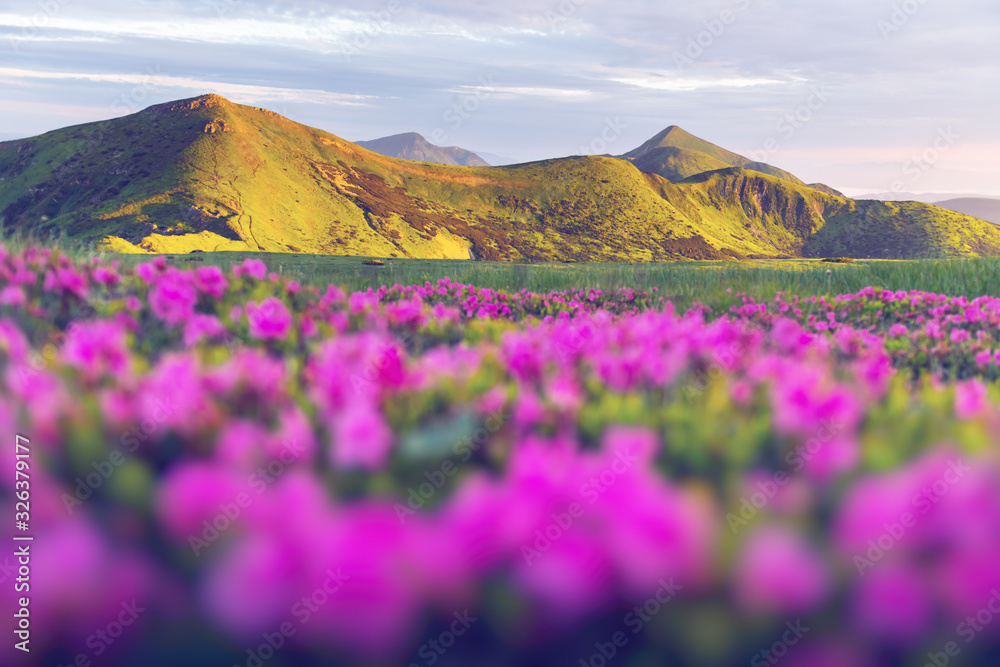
(675, 155)
(211, 175)
(412, 146)
(977, 207)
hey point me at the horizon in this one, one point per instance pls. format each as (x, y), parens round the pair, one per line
(881, 98)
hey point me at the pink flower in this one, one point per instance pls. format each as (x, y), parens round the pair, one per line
(363, 301)
(191, 494)
(270, 320)
(202, 326)
(252, 267)
(106, 276)
(892, 603)
(960, 335)
(971, 399)
(897, 330)
(241, 442)
(148, 272)
(13, 342)
(778, 571)
(361, 438)
(334, 295)
(211, 280)
(66, 280)
(96, 348)
(741, 392)
(253, 587)
(12, 295)
(173, 298)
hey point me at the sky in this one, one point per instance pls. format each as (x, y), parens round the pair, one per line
(887, 96)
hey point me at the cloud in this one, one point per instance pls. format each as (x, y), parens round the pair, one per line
(236, 92)
(681, 84)
(560, 67)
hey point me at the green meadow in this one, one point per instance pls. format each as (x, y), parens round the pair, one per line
(685, 282)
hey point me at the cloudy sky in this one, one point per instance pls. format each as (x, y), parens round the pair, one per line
(865, 95)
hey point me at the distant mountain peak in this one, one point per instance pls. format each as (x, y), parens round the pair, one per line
(413, 146)
(410, 136)
(674, 131)
(676, 154)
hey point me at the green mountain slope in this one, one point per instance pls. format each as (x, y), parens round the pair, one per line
(208, 174)
(412, 146)
(675, 155)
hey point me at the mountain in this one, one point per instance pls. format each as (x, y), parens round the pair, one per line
(978, 207)
(926, 197)
(208, 174)
(675, 155)
(412, 146)
(497, 160)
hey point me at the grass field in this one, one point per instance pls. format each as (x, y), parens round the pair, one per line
(685, 282)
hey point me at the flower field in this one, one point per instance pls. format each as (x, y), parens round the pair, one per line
(230, 468)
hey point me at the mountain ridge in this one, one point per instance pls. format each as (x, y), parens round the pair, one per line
(208, 174)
